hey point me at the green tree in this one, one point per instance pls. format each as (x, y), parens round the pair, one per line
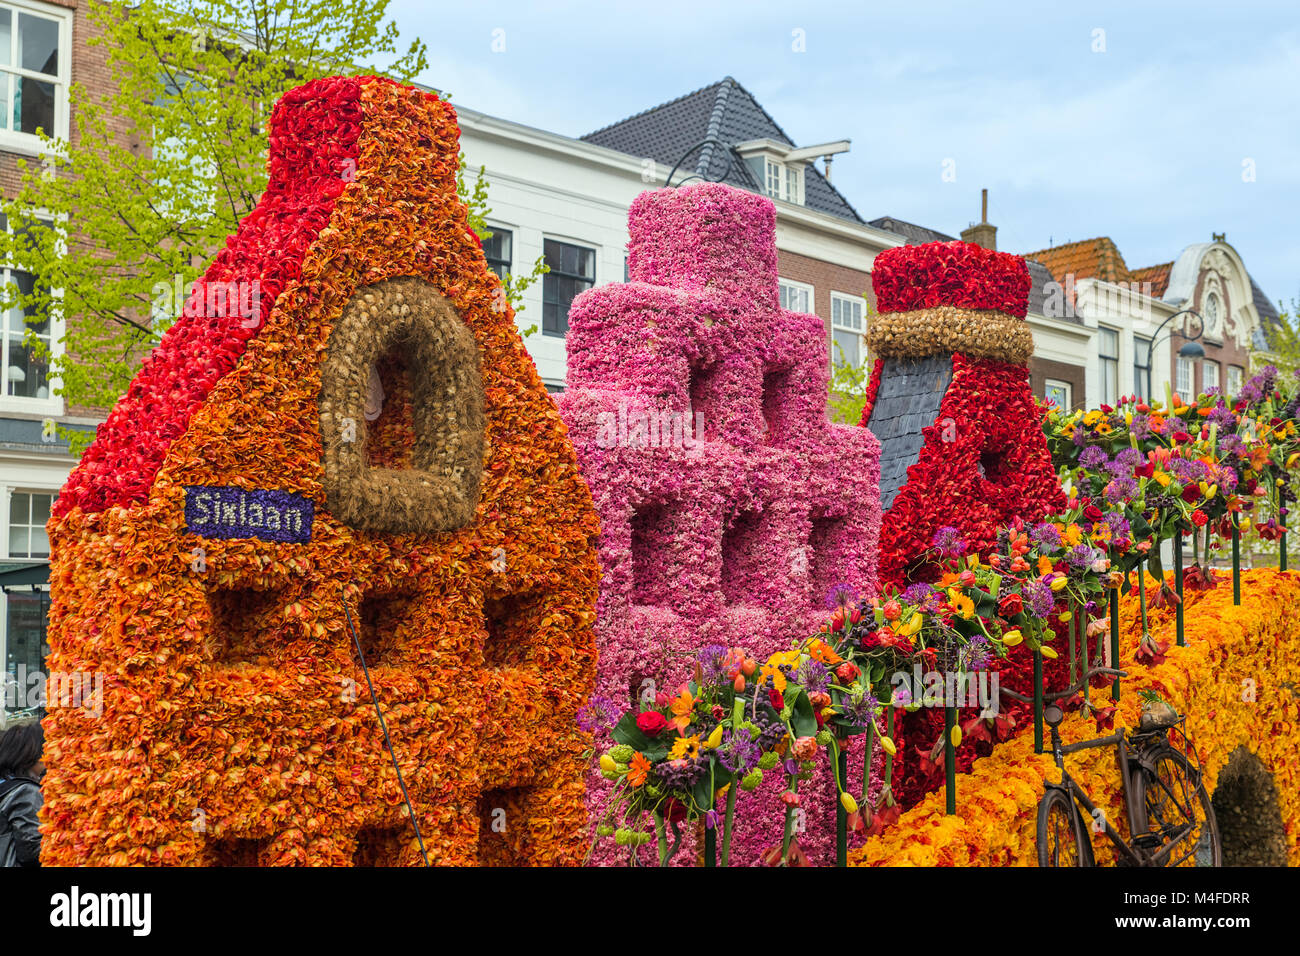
(130, 211)
(1283, 339)
(848, 385)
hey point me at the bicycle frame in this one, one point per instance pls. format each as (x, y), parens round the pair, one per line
(1135, 856)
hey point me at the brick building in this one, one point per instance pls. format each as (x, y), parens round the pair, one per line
(44, 49)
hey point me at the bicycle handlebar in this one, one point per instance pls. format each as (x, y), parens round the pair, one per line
(1110, 741)
(1069, 691)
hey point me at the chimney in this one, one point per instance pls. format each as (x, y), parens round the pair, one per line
(982, 233)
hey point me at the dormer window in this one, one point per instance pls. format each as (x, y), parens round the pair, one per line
(785, 181)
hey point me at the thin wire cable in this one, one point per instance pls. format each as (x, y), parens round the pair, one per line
(356, 638)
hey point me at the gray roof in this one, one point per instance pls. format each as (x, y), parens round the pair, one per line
(728, 112)
(914, 234)
(911, 391)
(1268, 317)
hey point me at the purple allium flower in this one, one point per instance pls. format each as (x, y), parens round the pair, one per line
(1118, 524)
(1231, 444)
(859, 714)
(1187, 469)
(977, 653)
(1120, 489)
(1141, 427)
(947, 541)
(1081, 555)
(1092, 457)
(1046, 536)
(814, 676)
(598, 714)
(1039, 596)
(738, 752)
(711, 657)
(1222, 416)
(841, 595)
(1129, 457)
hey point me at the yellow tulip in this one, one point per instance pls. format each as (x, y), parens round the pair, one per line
(887, 744)
(1065, 616)
(1047, 652)
(714, 739)
(1060, 583)
(607, 763)
(955, 736)
(1012, 638)
(913, 625)
(848, 803)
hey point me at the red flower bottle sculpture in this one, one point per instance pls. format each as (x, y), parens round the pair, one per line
(961, 435)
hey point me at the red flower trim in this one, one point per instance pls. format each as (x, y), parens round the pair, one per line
(873, 386)
(956, 273)
(989, 413)
(313, 155)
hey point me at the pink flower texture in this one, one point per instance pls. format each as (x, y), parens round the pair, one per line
(729, 504)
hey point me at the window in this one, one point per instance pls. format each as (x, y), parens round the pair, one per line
(795, 296)
(1213, 330)
(28, 512)
(573, 270)
(26, 372)
(846, 329)
(785, 182)
(1057, 392)
(1209, 375)
(1108, 352)
(1141, 366)
(33, 73)
(1235, 374)
(497, 249)
(1185, 385)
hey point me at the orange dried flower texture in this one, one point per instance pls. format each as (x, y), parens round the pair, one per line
(236, 726)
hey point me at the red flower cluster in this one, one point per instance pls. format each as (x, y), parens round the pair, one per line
(984, 462)
(873, 388)
(308, 172)
(955, 273)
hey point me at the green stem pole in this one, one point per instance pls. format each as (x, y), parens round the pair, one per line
(731, 815)
(711, 846)
(1038, 702)
(950, 758)
(662, 839)
(1114, 641)
(1178, 586)
(1236, 560)
(841, 815)
(1073, 645)
(868, 749)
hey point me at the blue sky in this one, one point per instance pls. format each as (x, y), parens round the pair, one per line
(1143, 141)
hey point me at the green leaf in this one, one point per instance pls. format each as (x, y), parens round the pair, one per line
(627, 732)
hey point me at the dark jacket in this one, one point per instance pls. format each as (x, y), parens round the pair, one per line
(20, 834)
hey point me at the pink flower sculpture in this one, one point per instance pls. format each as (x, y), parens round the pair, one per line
(730, 507)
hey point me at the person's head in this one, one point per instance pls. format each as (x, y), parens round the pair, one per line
(21, 744)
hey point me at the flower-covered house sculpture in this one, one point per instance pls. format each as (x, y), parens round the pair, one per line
(366, 446)
(961, 435)
(730, 508)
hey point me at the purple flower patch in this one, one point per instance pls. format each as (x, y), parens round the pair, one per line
(225, 512)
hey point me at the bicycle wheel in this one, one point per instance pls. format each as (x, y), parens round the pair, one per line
(1171, 794)
(1060, 832)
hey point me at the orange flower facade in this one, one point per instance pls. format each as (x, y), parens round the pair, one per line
(338, 469)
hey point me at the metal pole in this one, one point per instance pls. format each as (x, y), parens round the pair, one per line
(1114, 640)
(1178, 586)
(950, 755)
(1281, 520)
(842, 815)
(1236, 561)
(1038, 702)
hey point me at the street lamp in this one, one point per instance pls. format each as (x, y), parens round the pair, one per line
(1191, 349)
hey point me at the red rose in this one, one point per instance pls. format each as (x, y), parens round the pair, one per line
(1145, 471)
(1181, 436)
(1010, 604)
(651, 723)
(774, 697)
(1092, 513)
(1191, 494)
(1199, 518)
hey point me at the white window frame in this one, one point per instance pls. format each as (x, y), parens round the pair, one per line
(1185, 379)
(53, 405)
(1106, 397)
(1056, 383)
(29, 144)
(783, 181)
(1233, 390)
(7, 499)
(856, 302)
(1207, 366)
(796, 286)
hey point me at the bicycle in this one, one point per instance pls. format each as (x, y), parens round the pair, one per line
(1171, 819)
